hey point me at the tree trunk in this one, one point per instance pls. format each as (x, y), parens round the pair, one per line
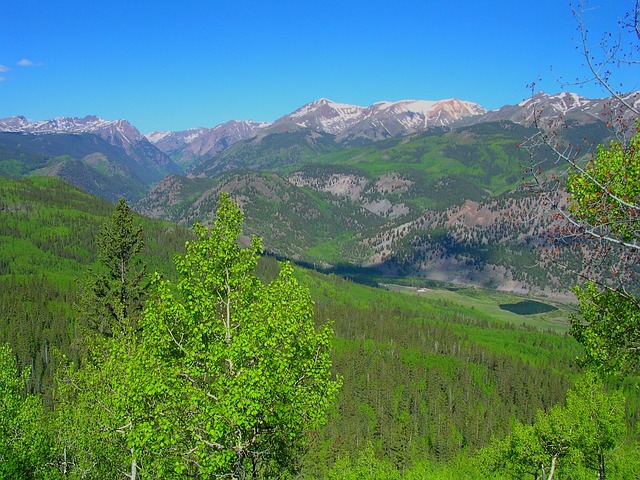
(134, 468)
(553, 467)
(601, 471)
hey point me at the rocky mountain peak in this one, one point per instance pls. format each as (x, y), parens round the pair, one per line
(322, 115)
(120, 130)
(380, 120)
(13, 124)
(561, 102)
(198, 142)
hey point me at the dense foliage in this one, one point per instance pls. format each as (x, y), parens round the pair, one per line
(425, 381)
(253, 372)
(604, 195)
(580, 435)
(25, 447)
(222, 377)
(47, 243)
(605, 200)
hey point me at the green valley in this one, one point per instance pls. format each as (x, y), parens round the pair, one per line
(430, 375)
(311, 241)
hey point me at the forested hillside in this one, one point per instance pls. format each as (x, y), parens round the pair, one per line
(428, 379)
(448, 204)
(47, 245)
(441, 203)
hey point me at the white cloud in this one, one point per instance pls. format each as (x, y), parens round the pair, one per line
(25, 63)
(4, 68)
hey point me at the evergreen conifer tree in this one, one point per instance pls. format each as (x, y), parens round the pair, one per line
(114, 292)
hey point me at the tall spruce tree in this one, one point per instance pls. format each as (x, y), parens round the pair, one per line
(105, 403)
(115, 290)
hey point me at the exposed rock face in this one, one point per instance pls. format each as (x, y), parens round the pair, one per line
(378, 196)
(378, 121)
(562, 106)
(119, 133)
(186, 145)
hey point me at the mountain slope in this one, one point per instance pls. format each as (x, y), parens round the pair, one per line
(380, 120)
(47, 243)
(343, 122)
(84, 160)
(358, 205)
(560, 107)
(186, 146)
(290, 219)
(391, 204)
(321, 193)
(272, 151)
(152, 164)
(388, 345)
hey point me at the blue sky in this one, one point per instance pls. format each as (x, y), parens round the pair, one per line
(174, 65)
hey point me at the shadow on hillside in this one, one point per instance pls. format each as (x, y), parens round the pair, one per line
(355, 273)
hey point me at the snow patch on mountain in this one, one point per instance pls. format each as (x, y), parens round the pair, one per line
(565, 101)
(561, 103)
(155, 137)
(343, 110)
(107, 129)
(325, 115)
(13, 124)
(380, 120)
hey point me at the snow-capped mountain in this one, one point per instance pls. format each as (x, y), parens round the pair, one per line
(116, 132)
(341, 122)
(199, 142)
(390, 119)
(345, 122)
(119, 133)
(542, 105)
(14, 124)
(377, 121)
(440, 113)
(560, 103)
(322, 115)
(561, 107)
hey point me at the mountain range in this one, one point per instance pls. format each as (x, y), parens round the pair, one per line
(422, 188)
(345, 123)
(119, 133)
